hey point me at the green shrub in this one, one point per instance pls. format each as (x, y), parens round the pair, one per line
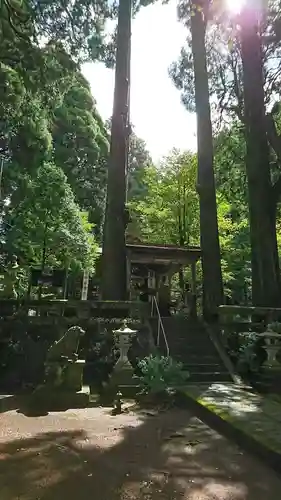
(160, 374)
(251, 354)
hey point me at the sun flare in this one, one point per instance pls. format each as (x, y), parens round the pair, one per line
(235, 6)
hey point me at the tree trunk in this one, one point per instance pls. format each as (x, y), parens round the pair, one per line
(44, 255)
(265, 265)
(182, 237)
(114, 279)
(211, 266)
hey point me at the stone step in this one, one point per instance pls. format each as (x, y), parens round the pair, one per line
(197, 359)
(185, 333)
(204, 377)
(192, 354)
(194, 337)
(205, 346)
(181, 322)
(203, 358)
(183, 329)
(192, 351)
(191, 345)
(196, 368)
(198, 343)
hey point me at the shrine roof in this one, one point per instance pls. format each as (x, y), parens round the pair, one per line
(152, 252)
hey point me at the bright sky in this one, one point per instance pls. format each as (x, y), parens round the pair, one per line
(156, 110)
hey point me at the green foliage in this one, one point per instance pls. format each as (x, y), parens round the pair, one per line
(80, 26)
(235, 252)
(81, 146)
(52, 139)
(167, 212)
(230, 150)
(168, 209)
(247, 360)
(46, 224)
(160, 373)
(247, 352)
(139, 159)
(12, 84)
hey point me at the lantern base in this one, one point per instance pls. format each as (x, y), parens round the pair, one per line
(129, 391)
(123, 374)
(272, 351)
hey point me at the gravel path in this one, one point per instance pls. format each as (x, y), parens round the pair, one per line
(91, 455)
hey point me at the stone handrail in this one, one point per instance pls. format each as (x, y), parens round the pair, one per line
(249, 311)
(242, 319)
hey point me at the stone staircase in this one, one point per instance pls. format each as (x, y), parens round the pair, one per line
(190, 343)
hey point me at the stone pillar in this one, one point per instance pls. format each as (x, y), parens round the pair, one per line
(85, 285)
(151, 284)
(193, 278)
(151, 279)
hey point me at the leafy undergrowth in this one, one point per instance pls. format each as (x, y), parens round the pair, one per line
(161, 374)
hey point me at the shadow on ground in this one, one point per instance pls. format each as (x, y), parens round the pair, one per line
(169, 456)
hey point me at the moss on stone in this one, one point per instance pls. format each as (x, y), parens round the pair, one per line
(265, 430)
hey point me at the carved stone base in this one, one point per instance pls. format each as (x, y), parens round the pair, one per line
(72, 378)
(58, 400)
(74, 375)
(123, 374)
(272, 351)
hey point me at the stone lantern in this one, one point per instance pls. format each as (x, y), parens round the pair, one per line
(272, 346)
(123, 371)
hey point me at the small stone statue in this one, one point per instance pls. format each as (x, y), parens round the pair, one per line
(61, 356)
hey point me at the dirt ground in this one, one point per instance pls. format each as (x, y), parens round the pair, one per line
(91, 455)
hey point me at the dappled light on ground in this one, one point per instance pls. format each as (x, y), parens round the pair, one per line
(89, 454)
(258, 416)
(236, 399)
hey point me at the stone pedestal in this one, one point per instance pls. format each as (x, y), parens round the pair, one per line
(271, 351)
(69, 393)
(74, 375)
(45, 398)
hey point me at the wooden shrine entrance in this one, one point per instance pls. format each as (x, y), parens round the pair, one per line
(154, 262)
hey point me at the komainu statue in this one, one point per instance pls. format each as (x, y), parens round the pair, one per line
(63, 370)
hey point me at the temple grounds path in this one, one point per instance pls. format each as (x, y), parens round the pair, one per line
(92, 455)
